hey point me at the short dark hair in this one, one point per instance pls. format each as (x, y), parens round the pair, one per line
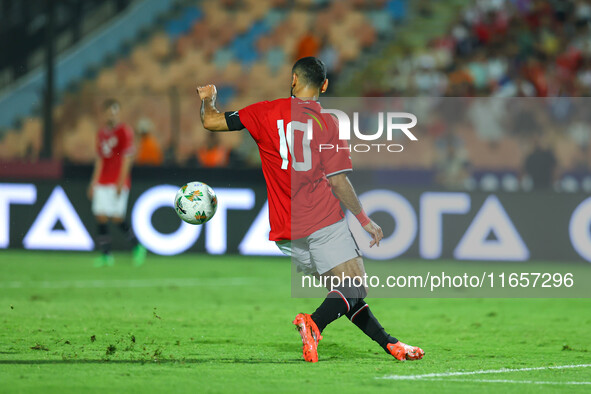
(311, 70)
(108, 103)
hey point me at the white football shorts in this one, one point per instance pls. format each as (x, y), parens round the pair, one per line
(106, 201)
(322, 250)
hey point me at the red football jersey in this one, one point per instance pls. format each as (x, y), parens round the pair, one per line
(295, 169)
(112, 145)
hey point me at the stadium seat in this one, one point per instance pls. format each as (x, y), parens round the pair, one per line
(160, 47)
(183, 24)
(107, 80)
(397, 9)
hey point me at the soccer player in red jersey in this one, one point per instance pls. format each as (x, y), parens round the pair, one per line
(314, 182)
(110, 183)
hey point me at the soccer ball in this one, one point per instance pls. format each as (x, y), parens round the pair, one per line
(195, 203)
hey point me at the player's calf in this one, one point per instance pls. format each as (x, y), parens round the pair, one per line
(104, 244)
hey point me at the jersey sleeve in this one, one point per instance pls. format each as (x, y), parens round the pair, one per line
(338, 159)
(126, 144)
(252, 117)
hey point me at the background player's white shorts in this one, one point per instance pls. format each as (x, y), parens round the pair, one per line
(322, 250)
(106, 201)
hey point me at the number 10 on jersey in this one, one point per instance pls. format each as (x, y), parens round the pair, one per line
(287, 140)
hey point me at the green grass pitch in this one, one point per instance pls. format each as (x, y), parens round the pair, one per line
(198, 323)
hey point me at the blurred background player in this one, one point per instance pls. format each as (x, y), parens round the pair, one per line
(110, 183)
(318, 238)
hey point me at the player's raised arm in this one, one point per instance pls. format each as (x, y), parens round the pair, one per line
(211, 117)
(343, 190)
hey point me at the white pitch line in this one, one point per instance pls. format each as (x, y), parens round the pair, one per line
(502, 381)
(131, 283)
(479, 372)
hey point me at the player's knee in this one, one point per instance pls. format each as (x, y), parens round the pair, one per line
(350, 294)
(357, 309)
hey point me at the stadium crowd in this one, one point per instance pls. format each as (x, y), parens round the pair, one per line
(496, 52)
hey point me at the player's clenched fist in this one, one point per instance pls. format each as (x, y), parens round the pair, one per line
(207, 91)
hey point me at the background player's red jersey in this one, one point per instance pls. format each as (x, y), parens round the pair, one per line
(300, 197)
(112, 146)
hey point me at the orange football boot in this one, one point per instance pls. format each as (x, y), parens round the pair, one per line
(310, 336)
(402, 351)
